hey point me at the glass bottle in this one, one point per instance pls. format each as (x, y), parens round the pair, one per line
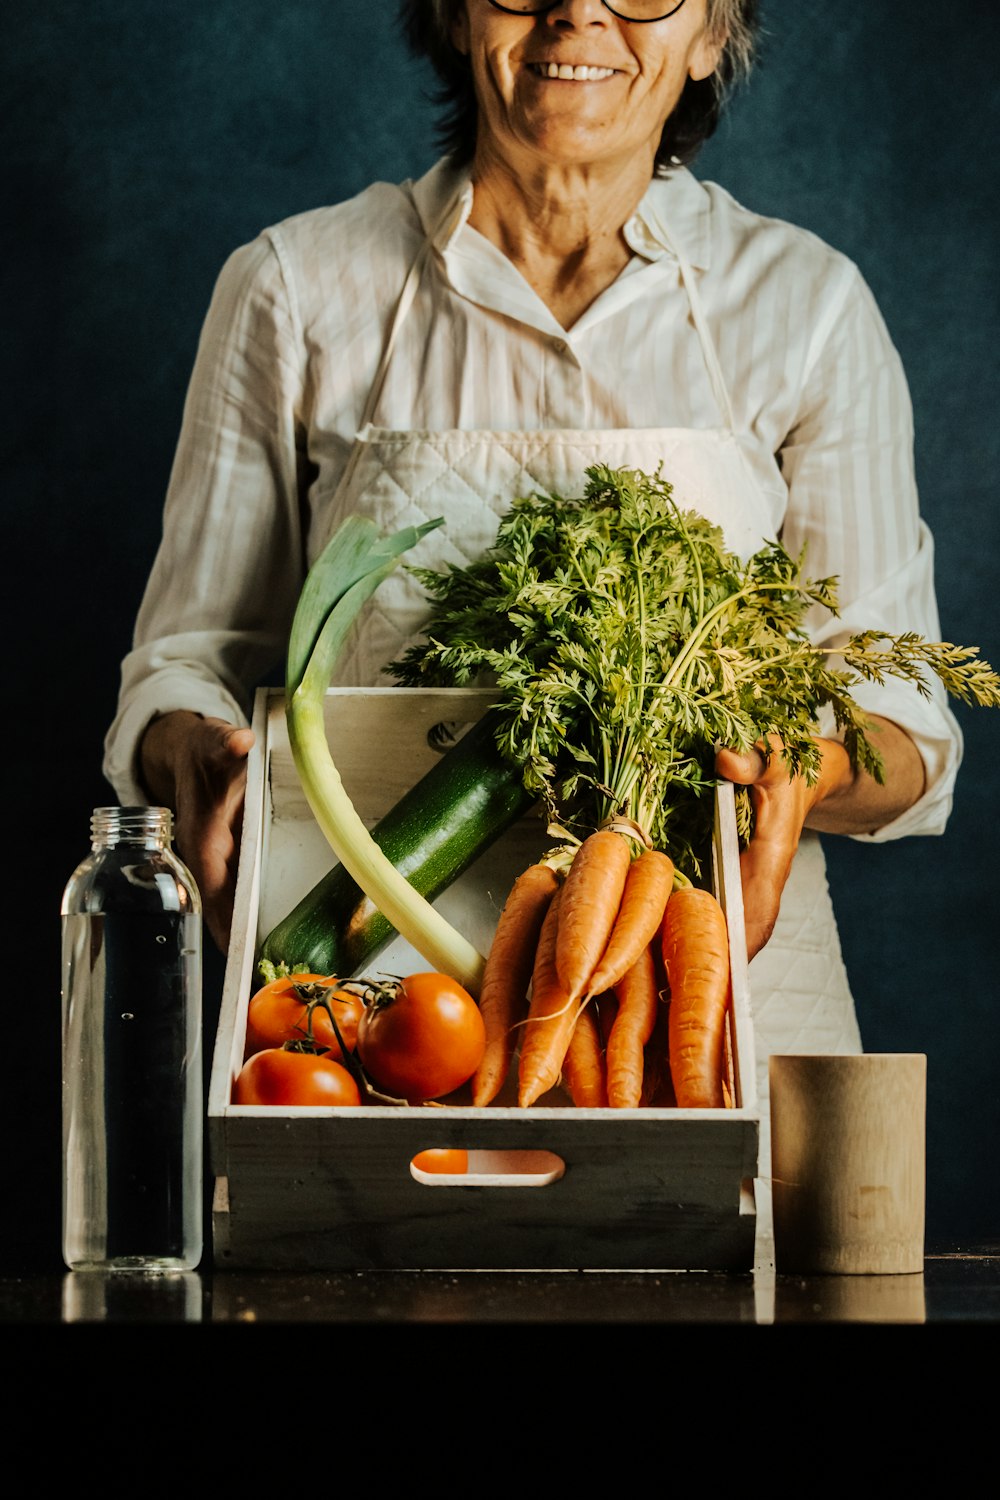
(131, 1050)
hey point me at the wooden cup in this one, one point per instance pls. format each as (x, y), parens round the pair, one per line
(848, 1162)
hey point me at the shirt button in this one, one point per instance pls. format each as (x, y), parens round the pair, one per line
(560, 346)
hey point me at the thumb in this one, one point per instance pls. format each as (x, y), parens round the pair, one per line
(239, 742)
(742, 766)
(227, 740)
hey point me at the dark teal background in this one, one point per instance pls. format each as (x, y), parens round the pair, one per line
(142, 142)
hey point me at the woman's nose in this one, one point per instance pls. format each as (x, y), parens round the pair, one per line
(573, 13)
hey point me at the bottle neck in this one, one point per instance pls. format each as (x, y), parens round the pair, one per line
(148, 827)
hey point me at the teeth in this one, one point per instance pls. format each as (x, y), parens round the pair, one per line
(582, 74)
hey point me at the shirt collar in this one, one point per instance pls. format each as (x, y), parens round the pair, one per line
(443, 200)
(673, 210)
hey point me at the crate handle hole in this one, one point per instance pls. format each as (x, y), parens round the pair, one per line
(448, 1167)
(441, 737)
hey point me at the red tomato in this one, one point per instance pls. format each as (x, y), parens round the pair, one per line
(277, 1014)
(444, 1159)
(421, 1037)
(276, 1076)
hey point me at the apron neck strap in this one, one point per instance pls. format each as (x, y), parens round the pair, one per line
(698, 316)
(708, 349)
(403, 305)
(445, 225)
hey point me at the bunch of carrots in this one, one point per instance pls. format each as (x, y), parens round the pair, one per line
(625, 642)
(582, 970)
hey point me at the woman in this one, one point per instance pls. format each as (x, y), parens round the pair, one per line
(559, 289)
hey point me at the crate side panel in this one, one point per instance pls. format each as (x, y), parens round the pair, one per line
(636, 1192)
(729, 891)
(238, 977)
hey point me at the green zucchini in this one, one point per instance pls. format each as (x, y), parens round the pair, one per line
(433, 834)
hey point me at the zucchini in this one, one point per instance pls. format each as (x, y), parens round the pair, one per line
(433, 834)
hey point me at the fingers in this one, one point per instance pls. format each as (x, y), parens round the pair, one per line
(780, 804)
(217, 913)
(210, 850)
(764, 868)
(210, 798)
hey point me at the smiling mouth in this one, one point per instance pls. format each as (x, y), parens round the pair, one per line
(580, 74)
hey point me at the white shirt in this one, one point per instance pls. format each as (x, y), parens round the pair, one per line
(292, 343)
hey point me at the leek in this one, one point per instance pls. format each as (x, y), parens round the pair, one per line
(345, 575)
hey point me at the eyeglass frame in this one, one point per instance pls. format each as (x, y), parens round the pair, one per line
(632, 20)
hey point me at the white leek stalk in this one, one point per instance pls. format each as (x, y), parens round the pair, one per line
(351, 567)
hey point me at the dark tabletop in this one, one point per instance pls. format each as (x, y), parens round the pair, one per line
(960, 1286)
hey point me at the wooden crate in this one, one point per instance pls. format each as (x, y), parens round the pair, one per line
(550, 1188)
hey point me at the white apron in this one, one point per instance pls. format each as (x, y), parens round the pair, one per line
(800, 997)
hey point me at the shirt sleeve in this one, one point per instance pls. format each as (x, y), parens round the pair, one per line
(220, 596)
(853, 506)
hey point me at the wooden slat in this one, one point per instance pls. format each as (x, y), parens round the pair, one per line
(729, 891)
(238, 981)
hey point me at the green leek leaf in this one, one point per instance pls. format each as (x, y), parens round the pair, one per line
(353, 551)
(339, 584)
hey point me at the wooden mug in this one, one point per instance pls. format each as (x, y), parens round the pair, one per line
(848, 1162)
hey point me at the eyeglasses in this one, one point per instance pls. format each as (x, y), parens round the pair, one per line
(626, 10)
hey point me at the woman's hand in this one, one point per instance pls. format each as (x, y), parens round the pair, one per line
(841, 801)
(197, 767)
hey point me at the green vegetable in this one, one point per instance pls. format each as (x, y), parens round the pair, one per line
(465, 801)
(351, 567)
(626, 643)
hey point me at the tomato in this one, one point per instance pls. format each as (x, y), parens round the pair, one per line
(277, 1076)
(420, 1037)
(277, 1014)
(443, 1159)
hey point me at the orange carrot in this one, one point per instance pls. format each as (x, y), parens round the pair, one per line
(551, 1015)
(591, 897)
(583, 1071)
(696, 956)
(503, 994)
(647, 887)
(638, 1003)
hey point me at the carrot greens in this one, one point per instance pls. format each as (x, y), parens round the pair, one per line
(626, 642)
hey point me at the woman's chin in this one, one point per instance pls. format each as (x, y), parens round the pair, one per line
(563, 142)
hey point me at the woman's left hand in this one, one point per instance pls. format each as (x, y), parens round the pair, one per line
(841, 801)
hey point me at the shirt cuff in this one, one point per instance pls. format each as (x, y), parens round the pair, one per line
(934, 730)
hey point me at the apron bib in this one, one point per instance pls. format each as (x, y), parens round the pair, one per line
(800, 997)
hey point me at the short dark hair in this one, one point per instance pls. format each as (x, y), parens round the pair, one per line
(427, 26)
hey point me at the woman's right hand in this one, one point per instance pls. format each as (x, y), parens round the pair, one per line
(197, 767)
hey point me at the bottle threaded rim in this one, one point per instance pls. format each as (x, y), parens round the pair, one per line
(131, 825)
